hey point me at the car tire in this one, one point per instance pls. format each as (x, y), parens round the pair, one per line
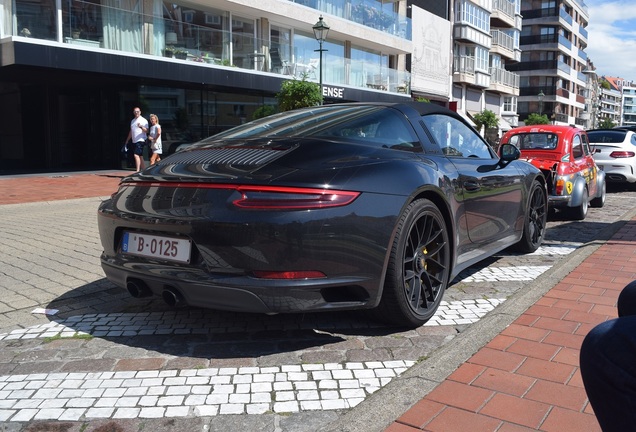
(579, 212)
(535, 223)
(599, 202)
(419, 266)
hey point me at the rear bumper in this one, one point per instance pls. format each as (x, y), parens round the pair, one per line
(559, 201)
(242, 293)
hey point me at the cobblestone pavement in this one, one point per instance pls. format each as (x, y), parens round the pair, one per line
(77, 353)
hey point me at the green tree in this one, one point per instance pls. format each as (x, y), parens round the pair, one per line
(487, 119)
(536, 119)
(296, 94)
(606, 123)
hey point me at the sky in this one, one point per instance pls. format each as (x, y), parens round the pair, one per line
(612, 37)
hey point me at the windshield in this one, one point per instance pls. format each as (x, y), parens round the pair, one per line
(368, 124)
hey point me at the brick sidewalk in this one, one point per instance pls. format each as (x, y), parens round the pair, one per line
(52, 187)
(527, 378)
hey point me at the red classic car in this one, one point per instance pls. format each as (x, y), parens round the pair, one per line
(564, 156)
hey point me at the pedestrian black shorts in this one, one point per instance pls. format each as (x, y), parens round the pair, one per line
(139, 148)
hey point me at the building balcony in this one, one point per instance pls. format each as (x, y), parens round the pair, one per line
(504, 81)
(127, 33)
(503, 14)
(464, 32)
(545, 16)
(502, 44)
(538, 40)
(546, 65)
(464, 71)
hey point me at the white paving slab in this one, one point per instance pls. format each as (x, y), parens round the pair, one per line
(333, 386)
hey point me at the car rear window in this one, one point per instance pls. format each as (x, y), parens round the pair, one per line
(371, 125)
(610, 136)
(535, 141)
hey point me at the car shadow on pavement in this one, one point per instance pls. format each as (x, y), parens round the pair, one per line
(103, 310)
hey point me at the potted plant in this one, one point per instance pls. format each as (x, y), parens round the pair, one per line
(168, 51)
(181, 54)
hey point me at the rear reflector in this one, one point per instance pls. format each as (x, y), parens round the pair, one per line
(288, 274)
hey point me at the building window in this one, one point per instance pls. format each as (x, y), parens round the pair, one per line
(469, 13)
(481, 59)
(510, 104)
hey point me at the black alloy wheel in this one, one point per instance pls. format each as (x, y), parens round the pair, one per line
(419, 266)
(536, 220)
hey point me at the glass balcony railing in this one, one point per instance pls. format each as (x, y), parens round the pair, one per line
(115, 29)
(376, 14)
(565, 16)
(538, 39)
(563, 41)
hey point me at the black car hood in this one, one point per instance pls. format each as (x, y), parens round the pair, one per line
(265, 160)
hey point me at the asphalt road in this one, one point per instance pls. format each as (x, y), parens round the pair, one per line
(50, 260)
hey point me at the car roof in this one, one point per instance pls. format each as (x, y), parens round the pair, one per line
(613, 130)
(543, 128)
(627, 127)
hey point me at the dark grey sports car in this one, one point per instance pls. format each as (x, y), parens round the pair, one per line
(351, 206)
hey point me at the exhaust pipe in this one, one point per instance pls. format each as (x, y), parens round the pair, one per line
(138, 288)
(172, 297)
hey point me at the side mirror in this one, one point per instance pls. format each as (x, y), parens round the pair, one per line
(508, 153)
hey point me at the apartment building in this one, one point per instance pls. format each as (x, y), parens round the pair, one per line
(485, 43)
(553, 60)
(629, 105)
(71, 71)
(610, 100)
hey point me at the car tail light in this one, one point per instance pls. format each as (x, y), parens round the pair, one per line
(276, 198)
(268, 197)
(310, 274)
(558, 187)
(622, 154)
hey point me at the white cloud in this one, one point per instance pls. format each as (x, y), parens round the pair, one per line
(612, 37)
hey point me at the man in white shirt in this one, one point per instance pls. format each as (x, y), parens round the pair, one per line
(138, 136)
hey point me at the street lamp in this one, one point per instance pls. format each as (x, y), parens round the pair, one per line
(320, 32)
(541, 96)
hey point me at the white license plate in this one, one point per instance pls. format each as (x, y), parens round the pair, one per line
(167, 248)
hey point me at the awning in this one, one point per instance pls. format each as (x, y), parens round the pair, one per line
(503, 124)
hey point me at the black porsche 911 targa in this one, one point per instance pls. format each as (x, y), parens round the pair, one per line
(336, 207)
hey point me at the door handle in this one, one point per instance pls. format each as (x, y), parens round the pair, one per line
(472, 186)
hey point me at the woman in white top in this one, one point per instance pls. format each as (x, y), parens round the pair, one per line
(154, 135)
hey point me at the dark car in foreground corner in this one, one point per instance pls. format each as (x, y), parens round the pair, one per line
(350, 206)
(564, 156)
(615, 153)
